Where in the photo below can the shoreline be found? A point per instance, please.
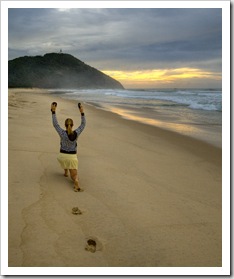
(212, 137)
(188, 142)
(152, 197)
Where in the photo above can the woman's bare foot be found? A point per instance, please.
(76, 187)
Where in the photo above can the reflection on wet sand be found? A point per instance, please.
(204, 133)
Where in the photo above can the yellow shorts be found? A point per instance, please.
(68, 161)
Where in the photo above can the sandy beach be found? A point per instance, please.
(152, 198)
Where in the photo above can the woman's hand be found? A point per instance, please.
(53, 106)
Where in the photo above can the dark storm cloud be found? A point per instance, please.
(121, 38)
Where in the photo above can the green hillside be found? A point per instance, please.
(57, 70)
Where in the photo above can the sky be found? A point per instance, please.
(140, 47)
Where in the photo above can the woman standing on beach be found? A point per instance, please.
(68, 144)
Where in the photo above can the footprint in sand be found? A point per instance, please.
(76, 211)
(91, 245)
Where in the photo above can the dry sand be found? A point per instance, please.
(152, 198)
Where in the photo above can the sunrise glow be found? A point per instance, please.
(161, 77)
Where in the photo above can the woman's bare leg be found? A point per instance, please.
(74, 177)
(66, 172)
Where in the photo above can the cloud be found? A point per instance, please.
(121, 39)
(159, 77)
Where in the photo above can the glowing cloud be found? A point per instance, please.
(159, 77)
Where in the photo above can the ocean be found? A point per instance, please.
(192, 112)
